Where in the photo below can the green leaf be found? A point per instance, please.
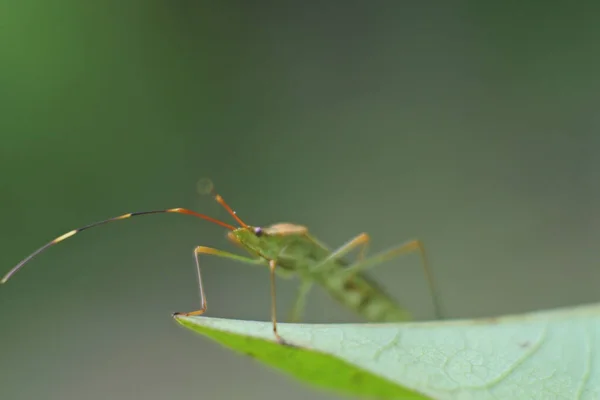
(543, 355)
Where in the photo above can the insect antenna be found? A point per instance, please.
(124, 216)
(208, 187)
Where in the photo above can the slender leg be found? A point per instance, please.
(300, 302)
(272, 266)
(219, 253)
(409, 247)
(361, 240)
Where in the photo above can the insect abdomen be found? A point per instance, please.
(365, 297)
(358, 292)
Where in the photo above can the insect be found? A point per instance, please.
(287, 250)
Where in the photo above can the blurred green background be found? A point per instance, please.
(472, 127)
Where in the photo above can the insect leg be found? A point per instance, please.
(361, 240)
(219, 253)
(272, 266)
(300, 301)
(409, 247)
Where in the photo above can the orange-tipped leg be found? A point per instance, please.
(361, 241)
(272, 266)
(408, 247)
(219, 253)
(256, 261)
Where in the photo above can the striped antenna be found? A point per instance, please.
(124, 216)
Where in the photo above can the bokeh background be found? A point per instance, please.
(471, 126)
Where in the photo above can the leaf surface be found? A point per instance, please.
(543, 355)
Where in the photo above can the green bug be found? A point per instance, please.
(289, 249)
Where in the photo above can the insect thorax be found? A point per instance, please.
(286, 243)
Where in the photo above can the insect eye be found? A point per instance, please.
(258, 231)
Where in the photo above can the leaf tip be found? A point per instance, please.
(180, 317)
